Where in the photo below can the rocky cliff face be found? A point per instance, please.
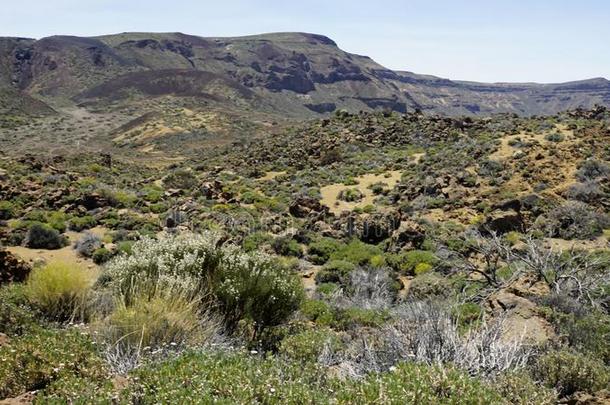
(294, 74)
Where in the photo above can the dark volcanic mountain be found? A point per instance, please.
(292, 74)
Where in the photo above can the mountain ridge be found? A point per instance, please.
(170, 91)
(302, 65)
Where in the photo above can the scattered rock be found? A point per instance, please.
(522, 319)
(27, 398)
(582, 398)
(4, 340)
(307, 207)
(12, 268)
(409, 235)
(502, 222)
(94, 200)
(378, 227)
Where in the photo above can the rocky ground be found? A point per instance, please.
(502, 220)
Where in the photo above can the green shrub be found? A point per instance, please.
(78, 224)
(158, 208)
(152, 194)
(355, 317)
(408, 262)
(34, 361)
(101, 255)
(589, 333)
(125, 247)
(356, 252)
(41, 236)
(321, 249)
(59, 290)
(257, 289)
(571, 372)
(467, 314)
(181, 179)
(35, 216)
(335, 271)
(308, 345)
(429, 286)
(245, 286)
(412, 383)
(378, 188)
(554, 137)
(327, 289)
(377, 261)
(156, 322)
(286, 246)
(7, 210)
(350, 195)
(318, 311)
(254, 241)
(16, 314)
(518, 388)
(228, 378)
(57, 221)
(238, 378)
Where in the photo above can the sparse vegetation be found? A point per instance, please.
(232, 276)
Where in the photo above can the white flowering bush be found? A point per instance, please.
(239, 285)
(255, 287)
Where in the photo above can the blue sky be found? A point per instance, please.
(536, 40)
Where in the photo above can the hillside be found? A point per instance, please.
(153, 84)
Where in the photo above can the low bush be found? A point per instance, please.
(467, 315)
(159, 321)
(321, 249)
(429, 286)
(586, 332)
(519, 388)
(181, 179)
(350, 195)
(318, 311)
(307, 346)
(41, 236)
(356, 252)
(35, 361)
(239, 378)
(254, 241)
(353, 317)
(287, 246)
(419, 384)
(555, 137)
(101, 255)
(335, 271)
(409, 262)
(88, 244)
(16, 314)
(57, 220)
(575, 220)
(59, 290)
(78, 224)
(569, 372)
(592, 169)
(244, 286)
(7, 210)
(378, 188)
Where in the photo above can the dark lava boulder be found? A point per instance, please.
(12, 268)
